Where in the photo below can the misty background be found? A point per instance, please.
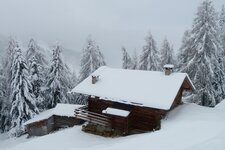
(112, 24)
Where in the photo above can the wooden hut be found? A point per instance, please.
(51, 120)
(130, 101)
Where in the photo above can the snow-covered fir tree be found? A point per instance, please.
(37, 83)
(185, 52)
(101, 58)
(22, 99)
(91, 60)
(134, 61)
(74, 79)
(58, 80)
(149, 59)
(38, 64)
(4, 102)
(127, 63)
(35, 80)
(167, 53)
(7, 62)
(222, 30)
(34, 50)
(222, 19)
(2, 93)
(201, 52)
(73, 97)
(4, 105)
(6, 79)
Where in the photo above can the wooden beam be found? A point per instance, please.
(93, 117)
(104, 123)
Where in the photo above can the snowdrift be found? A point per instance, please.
(188, 127)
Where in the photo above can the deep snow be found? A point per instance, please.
(188, 127)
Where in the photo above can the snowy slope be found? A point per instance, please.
(188, 127)
(221, 105)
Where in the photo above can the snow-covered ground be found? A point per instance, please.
(188, 127)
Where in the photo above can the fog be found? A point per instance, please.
(112, 23)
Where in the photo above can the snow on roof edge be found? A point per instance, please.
(191, 83)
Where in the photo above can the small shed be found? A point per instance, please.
(51, 120)
(131, 100)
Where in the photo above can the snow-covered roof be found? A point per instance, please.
(117, 112)
(147, 88)
(60, 110)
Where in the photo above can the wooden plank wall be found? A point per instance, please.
(146, 119)
(141, 118)
(62, 122)
(51, 124)
(40, 128)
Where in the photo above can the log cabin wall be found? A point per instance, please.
(119, 123)
(141, 118)
(146, 119)
(96, 105)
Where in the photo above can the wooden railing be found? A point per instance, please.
(92, 117)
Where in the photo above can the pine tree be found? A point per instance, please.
(127, 63)
(222, 17)
(58, 80)
(185, 52)
(222, 52)
(23, 101)
(37, 52)
(6, 79)
(3, 100)
(101, 58)
(201, 57)
(72, 97)
(7, 62)
(221, 31)
(38, 64)
(167, 54)
(74, 79)
(134, 61)
(91, 60)
(35, 80)
(149, 59)
(2, 94)
(37, 83)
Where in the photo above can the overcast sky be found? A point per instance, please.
(112, 23)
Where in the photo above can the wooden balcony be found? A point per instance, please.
(92, 117)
